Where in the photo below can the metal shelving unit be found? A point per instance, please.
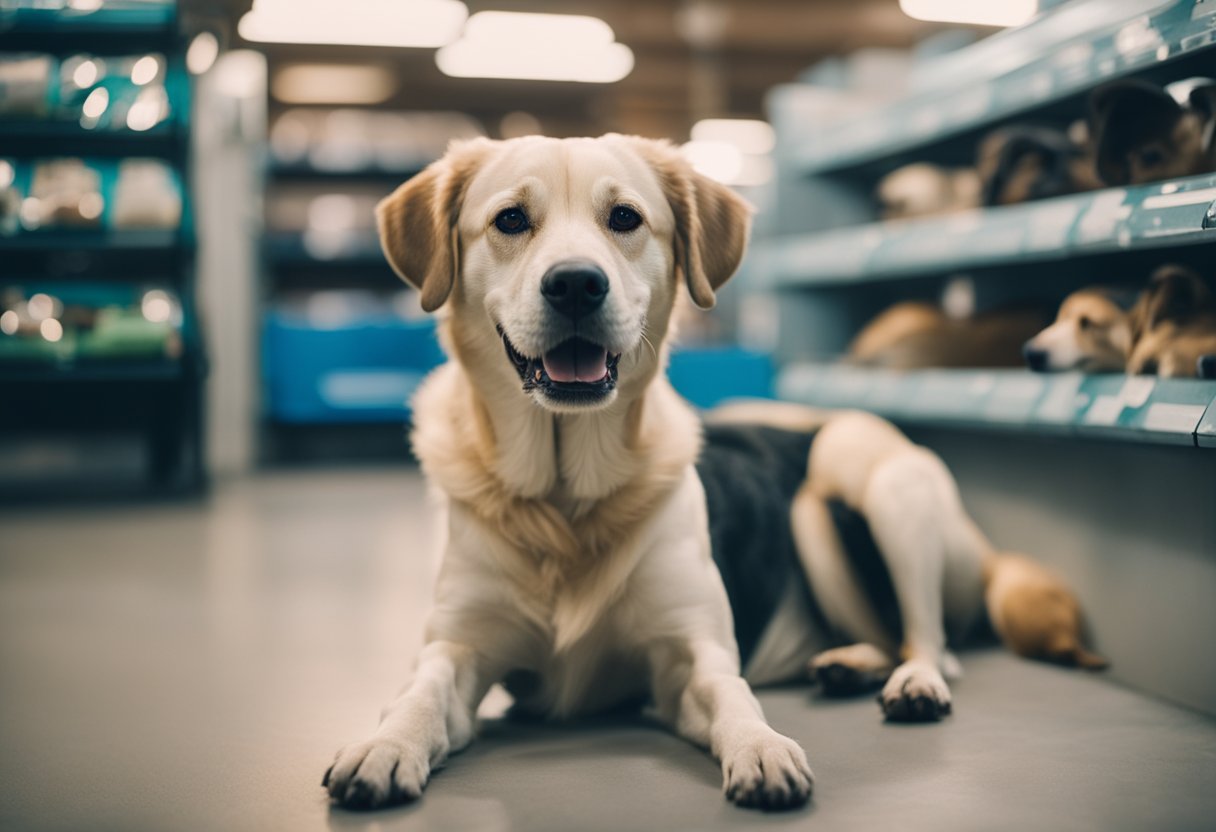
(1125, 408)
(1036, 71)
(1160, 216)
(159, 398)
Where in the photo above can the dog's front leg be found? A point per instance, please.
(699, 692)
(434, 716)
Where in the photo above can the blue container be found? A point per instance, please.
(361, 371)
(707, 376)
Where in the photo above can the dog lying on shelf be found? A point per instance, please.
(915, 334)
(1168, 329)
(1023, 163)
(1143, 134)
(925, 190)
(603, 546)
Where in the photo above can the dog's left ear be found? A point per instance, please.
(417, 223)
(1203, 100)
(712, 221)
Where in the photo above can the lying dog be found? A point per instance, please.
(1142, 134)
(914, 334)
(923, 190)
(588, 530)
(1023, 163)
(1169, 329)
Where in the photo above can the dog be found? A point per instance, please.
(914, 334)
(598, 533)
(1143, 134)
(924, 190)
(1023, 163)
(1168, 329)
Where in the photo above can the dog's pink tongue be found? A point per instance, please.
(576, 360)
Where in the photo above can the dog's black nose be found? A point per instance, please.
(1036, 359)
(575, 287)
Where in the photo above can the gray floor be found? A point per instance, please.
(189, 667)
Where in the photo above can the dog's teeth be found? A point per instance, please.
(538, 375)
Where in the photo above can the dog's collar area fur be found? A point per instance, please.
(534, 377)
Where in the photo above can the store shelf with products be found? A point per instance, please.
(1159, 216)
(1140, 409)
(1040, 71)
(99, 326)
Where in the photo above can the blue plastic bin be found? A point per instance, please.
(363, 371)
(707, 376)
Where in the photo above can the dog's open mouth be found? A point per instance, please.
(575, 371)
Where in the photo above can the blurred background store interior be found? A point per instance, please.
(197, 322)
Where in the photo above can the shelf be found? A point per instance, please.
(1162, 44)
(1140, 409)
(1164, 214)
(95, 240)
(35, 139)
(139, 27)
(368, 175)
(287, 250)
(94, 372)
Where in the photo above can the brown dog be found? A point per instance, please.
(1165, 330)
(1142, 134)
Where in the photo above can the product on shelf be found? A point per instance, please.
(25, 80)
(146, 195)
(10, 198)
(1144, 133)
(63, 192)
(85, 323)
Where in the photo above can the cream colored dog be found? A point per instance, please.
(581, 569)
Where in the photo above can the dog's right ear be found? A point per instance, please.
(1175, 293)
(417, 222)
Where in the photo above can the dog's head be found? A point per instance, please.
(1020, 164)
(1175, 297)
(558, 261)
(1093, 332)
(1142, 134)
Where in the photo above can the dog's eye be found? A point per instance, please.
(512, 221)
(1084, 322)
(624, 218)
(1151, 158)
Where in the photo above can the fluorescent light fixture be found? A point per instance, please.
(974, 12)
(724, 162)
(751, 136)
(416, 23)
(537, 47)
(333, 84)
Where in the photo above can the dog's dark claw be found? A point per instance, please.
(325, 779)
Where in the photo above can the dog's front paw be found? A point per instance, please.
(769, 772)
(376, 773)
(916, 692)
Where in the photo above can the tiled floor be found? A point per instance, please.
(194, 666)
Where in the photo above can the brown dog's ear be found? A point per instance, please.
(1175, 293)
(712, 221)
(417, 223)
